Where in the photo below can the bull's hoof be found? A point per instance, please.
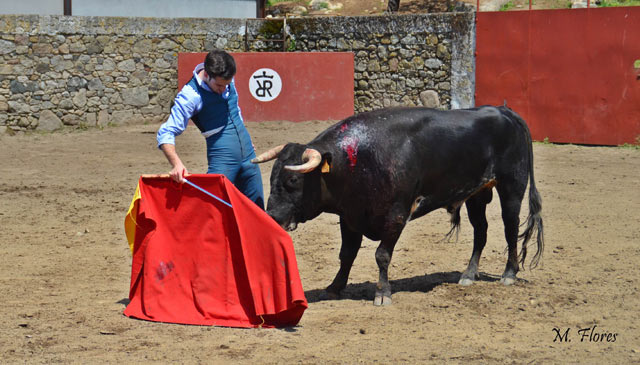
(508, 281)
(381, 300)
(333, 291)
(332, 295)
(465, 282)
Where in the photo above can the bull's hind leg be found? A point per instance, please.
(476, 209)
(351, 242)
(511, 194)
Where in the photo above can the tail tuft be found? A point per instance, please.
(533, 223)
(455, 223)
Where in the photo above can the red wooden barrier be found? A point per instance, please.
(314, 86)
(569, 73)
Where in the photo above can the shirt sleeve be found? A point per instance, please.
(185, 106)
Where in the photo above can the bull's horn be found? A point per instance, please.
(269, 155)
(312, 158)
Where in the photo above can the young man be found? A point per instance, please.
(211, 101)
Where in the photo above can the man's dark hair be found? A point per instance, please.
(219, 63)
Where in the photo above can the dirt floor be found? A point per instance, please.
(66, 267)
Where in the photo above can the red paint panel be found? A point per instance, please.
(569, 73)
(501, 60)
(315, 86)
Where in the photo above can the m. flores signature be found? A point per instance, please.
(589, 334)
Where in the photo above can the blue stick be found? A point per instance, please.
(206, 192)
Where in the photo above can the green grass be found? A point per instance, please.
(603, 3)
(545, 142)
(630, 146)
(508, 6)
(273, 2)
(634, 146)
(612, 3)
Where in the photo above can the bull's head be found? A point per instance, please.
(295, 184)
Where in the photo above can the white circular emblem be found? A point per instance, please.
(265, 84)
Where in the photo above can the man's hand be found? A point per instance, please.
(178, 171)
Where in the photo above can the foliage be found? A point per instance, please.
(635, 146)
(605, 3)
(508, 6)
(631, 146)
(271, 29)
(273, 2)
(545, 141)
(524, 4)
(291, 46)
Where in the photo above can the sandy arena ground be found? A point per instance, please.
(66, 267)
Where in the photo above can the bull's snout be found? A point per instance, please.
(287, 223)
(291, 227)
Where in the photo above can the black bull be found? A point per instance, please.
(378, 170)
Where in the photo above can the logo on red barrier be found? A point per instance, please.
(265, 84)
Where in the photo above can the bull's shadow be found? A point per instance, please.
(423, 283)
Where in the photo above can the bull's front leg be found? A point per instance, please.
(351, 242)
(383, 258)
(384, 252)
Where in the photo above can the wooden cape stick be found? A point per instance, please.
(153, 176)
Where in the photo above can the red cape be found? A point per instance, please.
(199, 261)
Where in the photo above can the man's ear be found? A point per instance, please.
(326, 163)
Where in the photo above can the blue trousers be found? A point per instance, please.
(229, 152)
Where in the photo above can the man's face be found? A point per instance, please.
(217, 85)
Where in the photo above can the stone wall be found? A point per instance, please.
(399, 60)
(81, 72)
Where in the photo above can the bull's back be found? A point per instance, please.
(406, 152)
(456, 144)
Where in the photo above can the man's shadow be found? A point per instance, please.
(423, 283)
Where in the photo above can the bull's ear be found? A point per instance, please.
(326, 163)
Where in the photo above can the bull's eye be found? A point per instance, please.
(291, 183)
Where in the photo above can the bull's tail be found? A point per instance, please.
(455, 222)
(534, 220)
(533, 223)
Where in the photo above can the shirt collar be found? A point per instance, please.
(202, 84)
